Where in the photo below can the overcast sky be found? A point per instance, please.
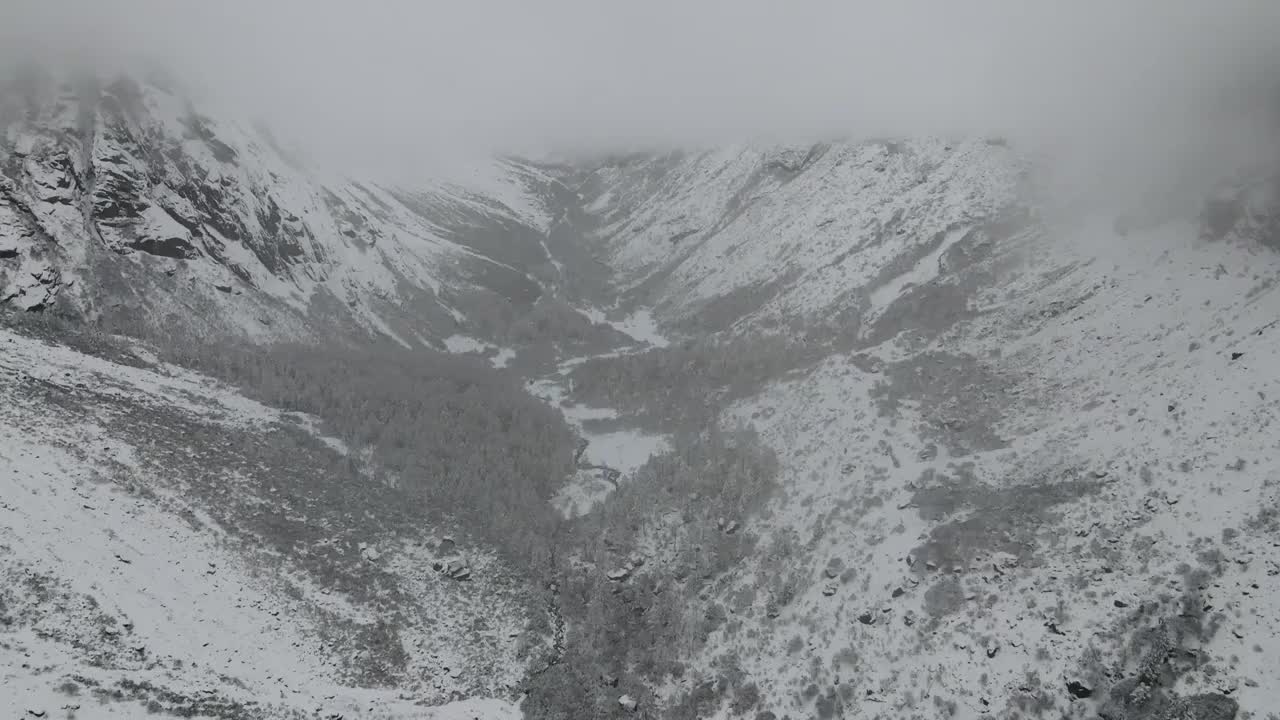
(392, 83)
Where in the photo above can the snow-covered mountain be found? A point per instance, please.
(793, 235)
(1025, 462)
(120, 199)
(1027, 466)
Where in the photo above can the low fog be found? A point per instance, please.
(1132, 92)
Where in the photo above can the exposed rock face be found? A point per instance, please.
(458, 570)
(127, 184)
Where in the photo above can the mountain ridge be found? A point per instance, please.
(131, 170)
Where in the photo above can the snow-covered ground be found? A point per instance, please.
(1037, 487)
(732, 220)
(624, 450)
(499, 357)
(639, 325)
(621, 450)
(922, 272)
(464, 344)
(125, 589)
(1049, 450)
(1032, 457)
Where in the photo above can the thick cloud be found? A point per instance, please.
(1155, 85)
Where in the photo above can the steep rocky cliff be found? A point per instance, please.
(119, 199)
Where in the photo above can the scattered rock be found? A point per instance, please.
(1237, 355)
(1079, 689)
(830, 589)
(628, 703)
(731, 528)
(867, 618)
(619, 574)
(222, 288)
(370, 553)
(897, 593)
(458, 571)
(1211, 706)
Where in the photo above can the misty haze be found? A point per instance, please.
(566, 360)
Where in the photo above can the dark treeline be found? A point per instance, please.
(681, 386)
(466, 442)
(684, 516)
(472, 449)
(547, 320)
(466, 439)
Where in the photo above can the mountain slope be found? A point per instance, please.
(1027, 467)
(787, 235)
(168, 543)
(121, 199)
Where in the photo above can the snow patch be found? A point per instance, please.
(462, 344)
(921, 273)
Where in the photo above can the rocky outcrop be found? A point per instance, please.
(123, 183)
